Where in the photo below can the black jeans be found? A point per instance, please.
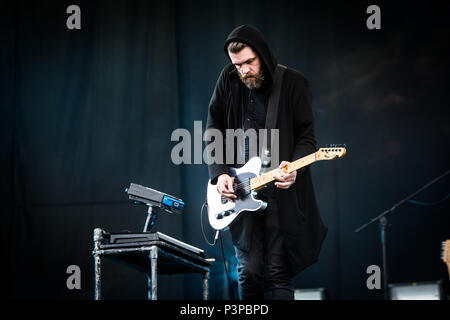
(266, 264)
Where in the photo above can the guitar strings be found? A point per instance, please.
(242, 185)
(246, 183)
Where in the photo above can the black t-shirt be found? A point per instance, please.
(255, 118)
(255, 109)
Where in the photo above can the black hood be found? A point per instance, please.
(251, 36)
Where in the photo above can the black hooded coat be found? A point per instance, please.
(300, 222)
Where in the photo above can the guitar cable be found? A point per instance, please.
(203, 229)
(217, 236)
(225, 266)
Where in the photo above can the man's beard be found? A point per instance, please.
(253, 81)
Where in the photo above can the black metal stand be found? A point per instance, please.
(152, 258)
(384, 223)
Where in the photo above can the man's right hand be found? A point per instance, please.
(225, 187)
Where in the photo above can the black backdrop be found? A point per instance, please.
(86, 112)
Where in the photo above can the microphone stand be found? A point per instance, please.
(383, 222)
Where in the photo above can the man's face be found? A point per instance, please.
(248, 66)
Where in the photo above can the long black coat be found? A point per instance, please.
(302, 227)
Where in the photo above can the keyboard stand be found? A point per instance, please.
(151, 257)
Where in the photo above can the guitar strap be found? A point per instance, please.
(272, 113)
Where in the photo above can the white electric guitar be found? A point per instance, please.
(247, 180)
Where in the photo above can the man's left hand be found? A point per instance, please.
(285, 179)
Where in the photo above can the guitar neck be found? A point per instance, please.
(266, 178)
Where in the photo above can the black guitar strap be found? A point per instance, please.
(272, 110)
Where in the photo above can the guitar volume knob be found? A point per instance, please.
(228, 212)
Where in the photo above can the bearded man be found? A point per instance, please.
(276, 244)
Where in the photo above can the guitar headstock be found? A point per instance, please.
(330, 152)
(445, 256)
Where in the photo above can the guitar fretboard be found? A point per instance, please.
(263, 179)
